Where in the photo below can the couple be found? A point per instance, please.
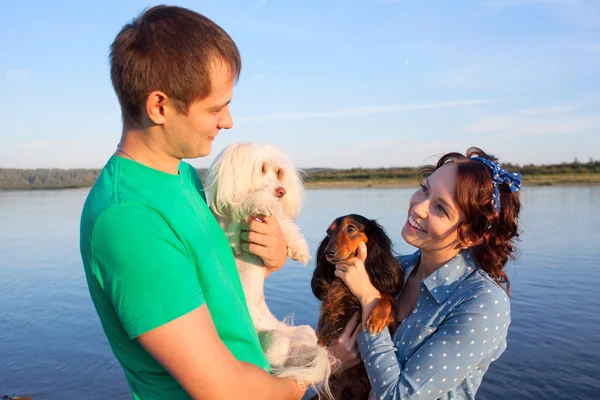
(163, 279)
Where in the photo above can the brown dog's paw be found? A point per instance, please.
(382, 315)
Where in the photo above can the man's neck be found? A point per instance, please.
(137, 144)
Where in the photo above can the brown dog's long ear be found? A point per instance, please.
(324, 271)
(383, 267)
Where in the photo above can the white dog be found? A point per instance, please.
(244, 181)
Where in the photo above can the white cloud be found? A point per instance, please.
(17, 74)
(541, 121)
(367, 110)
(259, 4)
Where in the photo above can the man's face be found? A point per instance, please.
(192, 135)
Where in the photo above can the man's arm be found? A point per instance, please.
(145, 272)
(192, 352)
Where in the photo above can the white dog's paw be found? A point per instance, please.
(300, 253)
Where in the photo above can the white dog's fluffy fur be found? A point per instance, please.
(241, 183)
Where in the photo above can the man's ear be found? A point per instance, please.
(157, 104)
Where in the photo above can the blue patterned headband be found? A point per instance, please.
(500, 176)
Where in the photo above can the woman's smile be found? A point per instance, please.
(414, 224)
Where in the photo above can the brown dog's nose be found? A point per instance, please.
(280, 192)
(331, 252)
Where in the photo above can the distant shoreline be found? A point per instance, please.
(574, 173)
(550, 180)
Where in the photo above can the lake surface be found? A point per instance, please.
(52, 346)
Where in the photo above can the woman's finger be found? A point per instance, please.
(340, 274)
(341, 267)
(362, 252)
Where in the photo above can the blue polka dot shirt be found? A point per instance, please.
(443, 349)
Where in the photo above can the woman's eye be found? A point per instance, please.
(424, 188)
(442, 210)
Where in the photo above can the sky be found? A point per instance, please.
(333, 83)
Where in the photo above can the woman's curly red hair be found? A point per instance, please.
(489, 235)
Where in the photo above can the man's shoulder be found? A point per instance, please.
(193, 177)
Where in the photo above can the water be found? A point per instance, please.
(52, 346)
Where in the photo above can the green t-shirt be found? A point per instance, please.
(152, 252)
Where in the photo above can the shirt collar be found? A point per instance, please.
(442, 282)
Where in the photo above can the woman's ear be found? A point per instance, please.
(469, 239)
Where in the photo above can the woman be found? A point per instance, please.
(454, 311)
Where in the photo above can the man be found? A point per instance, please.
(159, 268)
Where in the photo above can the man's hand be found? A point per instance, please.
(346, 349)
(262, 236)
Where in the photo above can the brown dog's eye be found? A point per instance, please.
(350, 228)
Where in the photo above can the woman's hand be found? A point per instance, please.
(263, 237)
(355, 276)
(346, 349)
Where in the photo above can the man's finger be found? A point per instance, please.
(351, 325)
(254, 237)
(255, 249)
(357, 329)
(260, 227)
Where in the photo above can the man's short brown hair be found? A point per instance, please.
(170, 49)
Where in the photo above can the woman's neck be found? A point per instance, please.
(433, 260)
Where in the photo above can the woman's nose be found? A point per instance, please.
(420, 209)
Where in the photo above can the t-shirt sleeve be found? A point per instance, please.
(143, 268)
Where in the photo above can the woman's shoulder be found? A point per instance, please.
(481, 290)
(409, 261)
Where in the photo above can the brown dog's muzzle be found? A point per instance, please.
(345, 235)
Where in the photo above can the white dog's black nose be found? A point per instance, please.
(280, 192)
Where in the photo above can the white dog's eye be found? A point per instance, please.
(264, 169)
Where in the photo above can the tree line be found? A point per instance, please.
(53, 178)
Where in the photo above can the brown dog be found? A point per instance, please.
(337, 302)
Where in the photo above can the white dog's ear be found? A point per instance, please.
(231, 176)
(292, 201)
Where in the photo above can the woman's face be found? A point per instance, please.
(433, 215)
